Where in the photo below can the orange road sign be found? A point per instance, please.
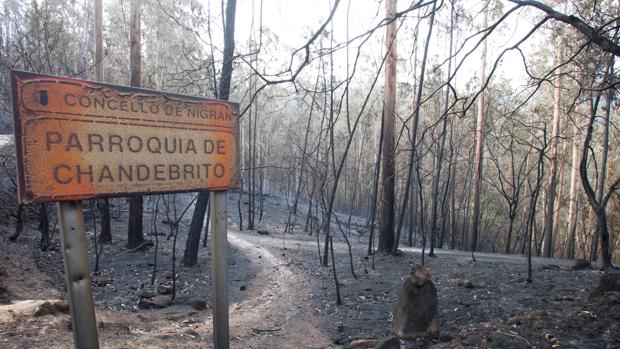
(80, 139)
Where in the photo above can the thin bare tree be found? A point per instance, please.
(135, 235)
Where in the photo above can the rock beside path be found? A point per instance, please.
(362, 344)
(35, 308)
(466, 283)
(415, 315)
(579, 264)
(154, 303)
(389, 343)
(164, 289)
(609, 282)
(52, 307)
(196, 303)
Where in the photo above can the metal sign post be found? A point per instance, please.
(77, 275)
(219, 264)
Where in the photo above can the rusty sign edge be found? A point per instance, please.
(26, 197)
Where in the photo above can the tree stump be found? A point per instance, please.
(416, 312)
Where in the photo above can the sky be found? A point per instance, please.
(293, 22)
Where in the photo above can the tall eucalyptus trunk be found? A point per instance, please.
(223, 94)
(135, 235)
(388, 197)
(479, 148)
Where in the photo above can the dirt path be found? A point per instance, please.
(269, 294)
(464, 256)
(273, 315)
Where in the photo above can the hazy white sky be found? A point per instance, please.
(293, 21)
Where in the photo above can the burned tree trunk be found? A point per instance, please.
(569, 251)
(19, 223)
(388, 197)
(44, 227)
(135, 235)
(375, 187)
(414, 134)
(190, 256)
(479, 148)
(223, 93)
(552, 190)
(104, 204)
(440, 152)
(598, 206)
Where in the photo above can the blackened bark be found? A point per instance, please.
(19, 223)
(375, 187)
(597, 206)
(44, 227)
(190, 256)
(223, 94)
(388, 197)
(206, 237)
(438, 167)
(414, 135)
(104, 204)
(135, 235)
(479, 148)
(106, 231)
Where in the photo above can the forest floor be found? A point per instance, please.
(281, 298)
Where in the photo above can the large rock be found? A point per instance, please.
(609, 282)
(579, 264)
(389, 343)
(154, 303)
(24, 308)
(362, 343)
(146, 294)
(52, 307)
(196, 303)
(116, 327)
(178, 312)
(164, 289)
(415, 315)
(466, 283)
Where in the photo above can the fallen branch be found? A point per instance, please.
(260, 330)
(451, 322)
(144, 244)
(290, 260)
(514, 335)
